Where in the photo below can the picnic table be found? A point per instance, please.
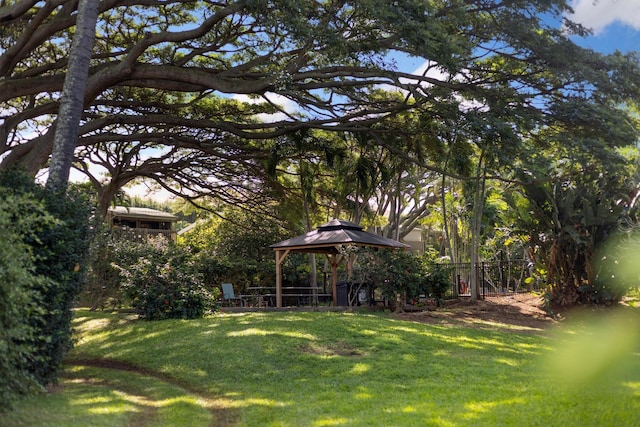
(265, 296)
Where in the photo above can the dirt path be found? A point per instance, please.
(518, 313)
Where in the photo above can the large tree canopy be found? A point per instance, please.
(164, 74)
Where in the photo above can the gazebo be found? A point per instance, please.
(327, 240)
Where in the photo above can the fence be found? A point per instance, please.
(494, 278)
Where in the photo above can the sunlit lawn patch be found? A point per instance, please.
(323, 369)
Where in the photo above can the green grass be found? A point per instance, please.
(331, 369)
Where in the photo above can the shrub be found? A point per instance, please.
(395, 273)
(438, 281)
(111, 254)
(61, 253)
(58, 239)
(20, 299)
(163, 282)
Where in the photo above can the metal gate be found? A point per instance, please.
(494, 278)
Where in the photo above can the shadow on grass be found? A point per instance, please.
(177, 397)
(101, 393)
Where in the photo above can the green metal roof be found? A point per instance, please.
(141, 213)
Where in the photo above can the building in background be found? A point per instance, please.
(142, 221)
(414, 240)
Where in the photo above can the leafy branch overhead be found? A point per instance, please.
(170, 73)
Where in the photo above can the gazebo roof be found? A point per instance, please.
(335, 233)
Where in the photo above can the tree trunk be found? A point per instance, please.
(476, 222)
(398, 207)
(445, 222)
(72, 101)
(306, 186)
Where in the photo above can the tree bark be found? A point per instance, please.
(476, 223)
(72, 101)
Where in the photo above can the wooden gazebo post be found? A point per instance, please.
(280, 256)
(334, 261)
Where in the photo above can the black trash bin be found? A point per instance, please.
(342, 294)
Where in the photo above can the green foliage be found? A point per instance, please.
(236, 249)
(61, 253)
(438, 281)
(202, 236)
(395, 273)
(213, 269)
(103, 284)
(575, 218)
(112, 254)
(143, 274)
(46, 238)
(20, 300)
(403, 273)
(162, 281)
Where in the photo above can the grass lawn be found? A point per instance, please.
(336, 369)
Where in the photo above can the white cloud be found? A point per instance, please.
(145, 190)
(284, 103)
(598, 14)
(428, 69)
(425, 69)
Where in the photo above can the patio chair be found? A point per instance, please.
(228, 296)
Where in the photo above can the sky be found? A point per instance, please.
(615, 25)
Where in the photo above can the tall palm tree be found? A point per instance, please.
(73, 91)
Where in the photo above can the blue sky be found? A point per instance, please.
(615, 24)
